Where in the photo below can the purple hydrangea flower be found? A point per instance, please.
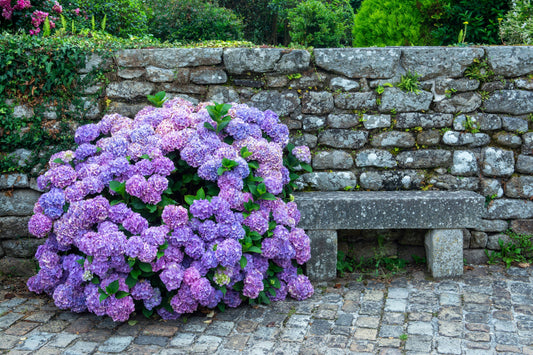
(201, 209)
(175, 216)
(172, 276)
(253, 284)
(154, 300)
(119, 309)
(302, 153)
(135, 223)
(52, 203)
(39, 225)
(300, 288)
(228, 252)
(86, 134)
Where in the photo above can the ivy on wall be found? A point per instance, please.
(40, 76)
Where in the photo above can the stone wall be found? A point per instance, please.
(456, 133)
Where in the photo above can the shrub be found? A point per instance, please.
(28, 16)
(517, 24)
(482, 17)
(321, 24)
(123, 17)
(193, 20)
(173, 210)
(388, 23)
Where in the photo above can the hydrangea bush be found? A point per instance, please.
(181, 207)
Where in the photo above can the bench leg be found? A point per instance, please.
(323, 263)
(444, 252)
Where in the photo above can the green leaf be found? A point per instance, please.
(147, 313)
(58, 161)
(254, 249)
(221, 171)
(224, 290)
(95, 280)
(81, 261)
(135, 273)
(222, 125)
(131, 281)
(255, 236)
(306, 167)
(189, 199)
(151, 208)
(121, 294)
(251, 206)
(132, 322)
(200, 195)
(268, 196)
(253, 164)
(112, 288)
(103, 297)
(261, 188)
(290, 147)
(272, 292)
(145, 267)
(243, 262)
(245, 153)
(209, 126)
(118, 187)
(160, 254)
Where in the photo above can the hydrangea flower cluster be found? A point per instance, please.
(23, 11)
(176, 209)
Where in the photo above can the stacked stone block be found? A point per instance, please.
(456, 133)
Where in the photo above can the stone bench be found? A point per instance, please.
(444, 213)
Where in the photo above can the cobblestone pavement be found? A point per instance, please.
(488, 310)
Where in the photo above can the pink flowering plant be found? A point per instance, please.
(180, 208)
(29, 15)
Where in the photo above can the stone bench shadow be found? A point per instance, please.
(444, 213)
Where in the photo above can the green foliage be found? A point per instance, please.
(448, 18)
(517, 25)
(518, 250)
(41, 73)
(389, 23)
(123, 18)
(409, 82)
(321, 24)
(380, 265)
(479, 70)
(158, 99)
(193, 20)
(260, 18)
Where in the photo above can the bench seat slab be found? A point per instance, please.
(358, 210)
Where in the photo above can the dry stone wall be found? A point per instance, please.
(470, 126)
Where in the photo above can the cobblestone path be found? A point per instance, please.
(489, 310)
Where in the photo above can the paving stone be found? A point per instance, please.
(115, 344)
(367, 322)
(81, 347)
(206, 344)
(395, 305)
(420, 328)
(449, 345)
(421, 343)
(365, 334)
(393, 331)
(151, 340)
(8, 319)
(362, 347)
(344, 320)
(21, 328)
(34, 341)
(236, 342)
(63, 340)
(478, 336)
(8, 341)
